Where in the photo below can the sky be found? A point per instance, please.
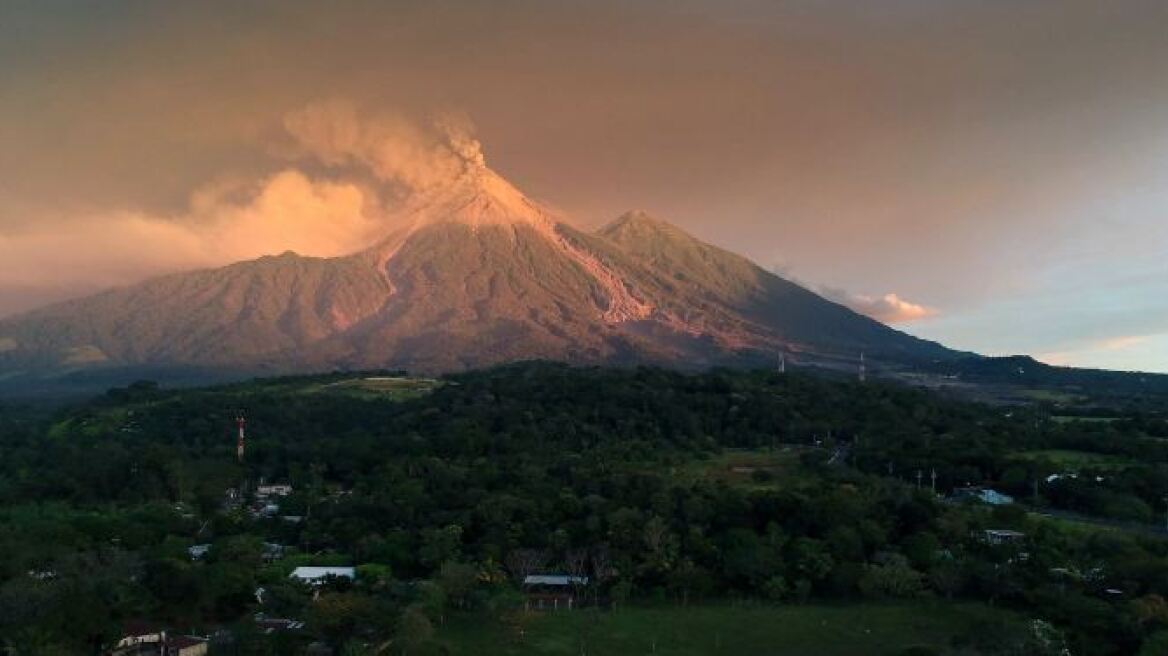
(991, 175)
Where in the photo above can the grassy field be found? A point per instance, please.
(741, 466)
(392, 387)
(1069, 419)
(1075, 459)
(874, 629)
(1051, 396)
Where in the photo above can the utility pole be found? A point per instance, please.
(919, 474)
(933, 480)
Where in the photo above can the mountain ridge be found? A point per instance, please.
(475, 274)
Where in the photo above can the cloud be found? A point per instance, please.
(340, 211)
(889, 308)
(1127, 352)
(223, 223)
(1122, 342)
(396, 150)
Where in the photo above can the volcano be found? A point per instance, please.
(476, 274)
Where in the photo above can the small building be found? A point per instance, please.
(982, 495)
(552, 591)
(318, 575)
(42, 574)
(198, 551)
(267, 491)
(139, 637)
(185, 646)
(143, 639)
(266, 510)
(269, 625)
(273, 552)
(1000, 536)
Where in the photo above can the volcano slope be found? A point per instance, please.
(475, 274)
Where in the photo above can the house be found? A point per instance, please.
(318, 575)
(266, 491)
(139, 638)
(266, 510)
(982, 495)
(184, 646)
(143, 639)
(42, 574)
(273, 552)
(552, 591)
(1000, 536)
(198, 551)
(268, 625)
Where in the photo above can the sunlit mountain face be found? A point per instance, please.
(474, 273)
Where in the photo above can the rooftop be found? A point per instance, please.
(315, 573)
(555, 579)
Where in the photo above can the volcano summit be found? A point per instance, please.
(476, 274)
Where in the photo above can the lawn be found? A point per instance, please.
(873, 629)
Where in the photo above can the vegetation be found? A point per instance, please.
(788, 629)
(690, 501)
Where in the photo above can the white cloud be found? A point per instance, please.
(889, 308)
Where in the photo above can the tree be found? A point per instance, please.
(458, 581)
(440, 545)
(891, 579)
(524, 562)
(414, 629)
(947, 578)
(336, 615)
(1155, 645)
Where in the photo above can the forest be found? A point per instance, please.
(660, 489)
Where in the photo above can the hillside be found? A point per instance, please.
(474, 274)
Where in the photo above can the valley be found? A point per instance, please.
(704, 512)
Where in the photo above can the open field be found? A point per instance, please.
(1048, 395)
(749, 466)
(397, 388)
(1068, 419)
(1075, 459)
(873, 629)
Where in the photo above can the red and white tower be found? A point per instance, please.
(240, 422)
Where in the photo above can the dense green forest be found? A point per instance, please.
(664, 489)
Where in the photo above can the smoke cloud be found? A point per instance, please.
(394, 149)
(224, 222)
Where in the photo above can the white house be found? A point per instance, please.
(318, 575)
(264, 491)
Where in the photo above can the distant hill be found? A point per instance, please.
(478, 275)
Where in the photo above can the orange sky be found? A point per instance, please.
(993, 171)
